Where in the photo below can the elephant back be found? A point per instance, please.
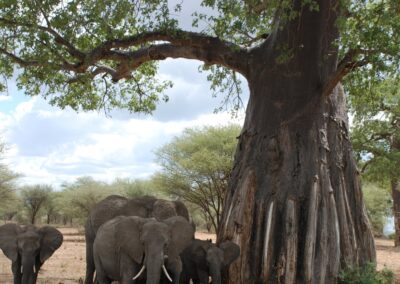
(139, 206)
(163, 209)
(105, 210)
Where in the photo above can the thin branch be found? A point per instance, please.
(57, 37)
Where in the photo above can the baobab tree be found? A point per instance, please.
(294, 204)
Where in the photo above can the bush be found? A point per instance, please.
(366, 275)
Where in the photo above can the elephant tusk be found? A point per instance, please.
(34, 269)
(166, 273)
(139, 273)
(22, 269)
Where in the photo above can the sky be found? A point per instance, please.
(51, 146)
(48, 145)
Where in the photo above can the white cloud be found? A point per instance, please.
(4, 98)
(52, 146)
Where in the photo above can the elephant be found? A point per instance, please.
(28, 247)
(127, 245)
(202, 259)
(115, 205)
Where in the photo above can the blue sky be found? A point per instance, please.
(49, 145)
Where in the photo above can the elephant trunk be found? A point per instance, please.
(28, 270)
(215, 273)
(153, 263)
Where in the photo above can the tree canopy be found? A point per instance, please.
(376, 131)
(66, 49)
(196, 167)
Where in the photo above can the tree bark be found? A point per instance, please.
(295, 193)
(396, 211)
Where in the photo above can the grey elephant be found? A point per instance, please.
(28, 247)
(126, 246)
(202, 259)
(114, 205)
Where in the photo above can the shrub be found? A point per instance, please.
(366, 275)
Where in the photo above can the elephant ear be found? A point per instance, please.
(51, 240)
(127, 233)
(163, 209)
(8, 240)
(231, 252)
(182, 234)
(181, 210)
(199, 251)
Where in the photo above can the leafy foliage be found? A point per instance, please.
(135, 188)
(76, 199)
(55, 43)
(33, 198)
(366, 275)
(376, 131)
(80, 196)
(196, 167)
(379, 204)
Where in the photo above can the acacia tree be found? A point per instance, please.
(196, 166)
(81, 195)
(34, 198)
(376, 138)
(294, 193)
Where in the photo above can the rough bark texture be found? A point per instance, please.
(295, 193)
(396, 211)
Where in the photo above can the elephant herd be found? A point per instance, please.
(139, 240)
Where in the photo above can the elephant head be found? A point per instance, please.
(207, 259)
(151, 243)
(28, 248)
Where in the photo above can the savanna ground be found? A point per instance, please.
(67, 265)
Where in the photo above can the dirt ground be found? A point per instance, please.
(67, 265)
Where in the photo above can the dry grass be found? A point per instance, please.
(67, 265)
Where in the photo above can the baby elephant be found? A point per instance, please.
(28, 247)
(127, 245)
(202, 259)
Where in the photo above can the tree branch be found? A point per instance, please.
(345, 66)
(57, 37)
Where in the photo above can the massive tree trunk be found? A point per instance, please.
(396, 210)
(295, 193)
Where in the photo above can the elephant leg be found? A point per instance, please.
(16, 269)
(101, 278)
(175, 267)
(90, 268)
(128, 270)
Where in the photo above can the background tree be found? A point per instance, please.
(50, 207)
(133, 188)
(294, 174)
(81, 195)
(33, 198)
(376, 138)
(7, 182)
(196, 167)
(379, 203)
